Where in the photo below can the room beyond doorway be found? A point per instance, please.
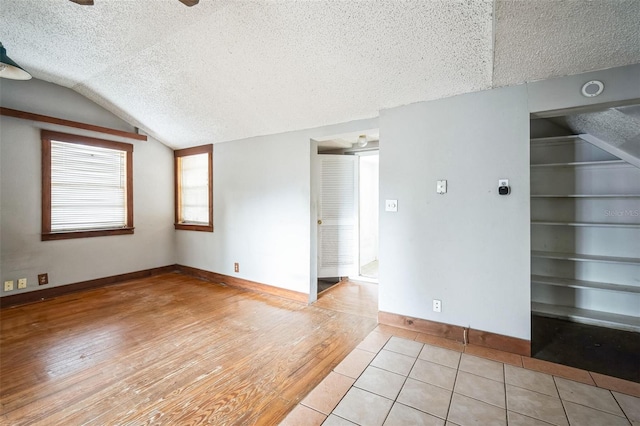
(368, 212)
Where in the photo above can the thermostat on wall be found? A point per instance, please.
(503, 187)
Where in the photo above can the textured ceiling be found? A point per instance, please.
(224, 69)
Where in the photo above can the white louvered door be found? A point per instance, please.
(338, 216)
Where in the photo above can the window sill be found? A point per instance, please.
(85, 234)
(187, 227)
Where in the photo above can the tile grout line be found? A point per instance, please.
(504, 377)
(454, 388)
(564, 408)
(621, 409)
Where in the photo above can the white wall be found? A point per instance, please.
(469, 247)
(23, 254)
(264, 210)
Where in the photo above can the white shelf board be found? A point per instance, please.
(615, 163)
(586, 316)
(556, 139)
(573, 283)
(587, 224)
(578, 257)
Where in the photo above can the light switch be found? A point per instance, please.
(441, 187)
(391, 205)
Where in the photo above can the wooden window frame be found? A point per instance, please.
(177, 154)
(47, 235)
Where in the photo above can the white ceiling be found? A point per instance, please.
(224, 69)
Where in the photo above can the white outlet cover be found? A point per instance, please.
(503, 182)
(391, 205)
(441, 187)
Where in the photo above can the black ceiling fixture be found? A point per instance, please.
(90, 2)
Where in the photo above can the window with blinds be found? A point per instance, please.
(87, 187)
(193, 188)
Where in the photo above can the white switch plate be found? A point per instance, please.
(441, 187)
(391, 205)
(503, 182)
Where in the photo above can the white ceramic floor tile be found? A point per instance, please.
(482, 367)
(440, 356)
(394, 362)
(402, 415)
(536, 405)
(380, 382)
(363, 408)
(630, 405)
(425, 397)
(404, 346)
(480, 388)
(531, 380)
(586, 416)
(589, 396)
(466, 411)
(434, 374)
(516, 419)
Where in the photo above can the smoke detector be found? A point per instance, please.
(592, 88)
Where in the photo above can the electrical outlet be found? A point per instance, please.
(437, 305)
(236, 267)
(22, 283)
(8, 285)
(43, 279)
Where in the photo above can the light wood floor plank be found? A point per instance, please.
(172, 349)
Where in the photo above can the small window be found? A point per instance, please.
(87, 187)
(193, 188)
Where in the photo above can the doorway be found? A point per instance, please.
(345, 185)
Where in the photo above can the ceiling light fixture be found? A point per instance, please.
(362, 141)
(9, 69)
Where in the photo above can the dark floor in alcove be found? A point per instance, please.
(326, 283)
(602, 350)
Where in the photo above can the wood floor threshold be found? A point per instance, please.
(457, 333)
(51, 292)
(244, 284)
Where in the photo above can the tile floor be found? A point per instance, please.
(399, 377)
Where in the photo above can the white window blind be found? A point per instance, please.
(194, 187)
(88, 187)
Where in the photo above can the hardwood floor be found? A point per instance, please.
(353, 297)
(169, 349)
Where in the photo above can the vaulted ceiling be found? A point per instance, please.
(225, 69)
